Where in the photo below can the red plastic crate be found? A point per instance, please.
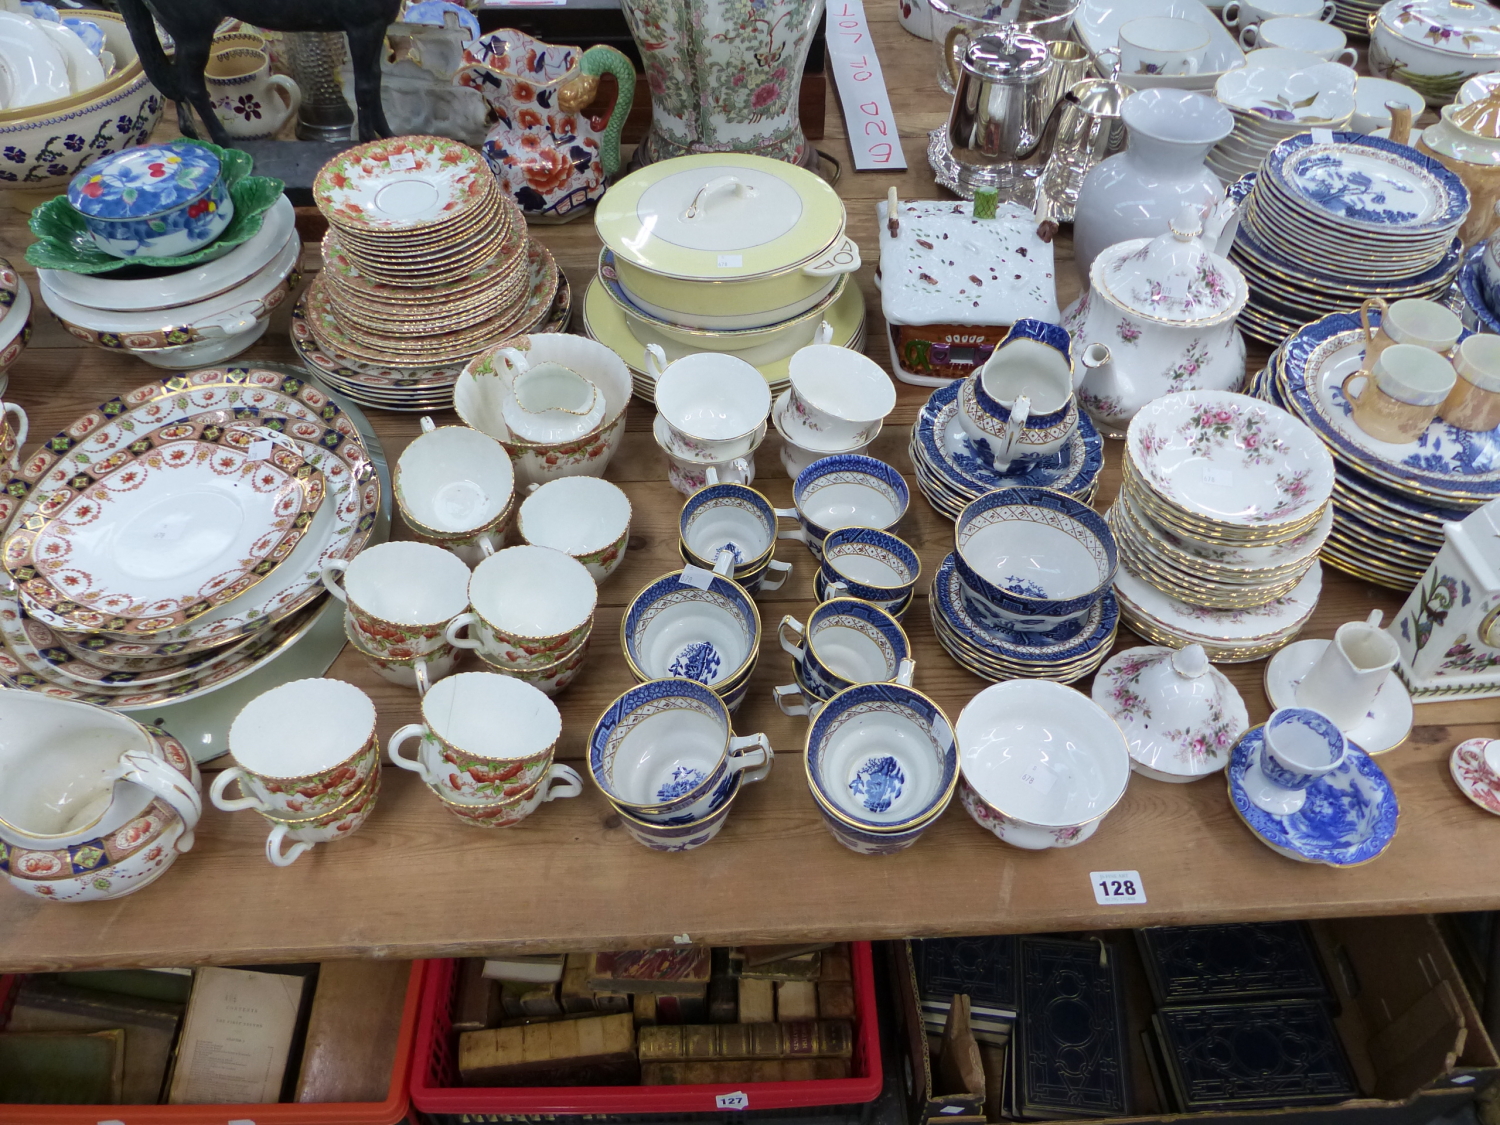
(435, 1088)
(393, 1109)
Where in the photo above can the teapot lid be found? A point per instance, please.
(1173, 277)
(1007, 56)
(1180, 715)
(1455, 27)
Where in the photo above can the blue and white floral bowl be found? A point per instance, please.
(882, 764)
(154, 201)
(712, 635)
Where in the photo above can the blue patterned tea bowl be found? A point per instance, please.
(872, 565)
(882, 764)
(684, 834)
(844, 490)
(711, 636)
(153, 201)
(845, 642)
(665, 753)
(1036, 557)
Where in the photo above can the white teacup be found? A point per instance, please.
(561, 781)
(401, 596)
(1344, 681)
(12, 436)
(248, 99)
(1243, 13)
(585, 517)
(325, 828)
(455, 485)
(840, 395)
(687, 475)
(1294, 34)
(419, 672)
(713, 404)
(1161, 45)
(530, 605)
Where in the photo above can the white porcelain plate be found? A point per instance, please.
(35, 69)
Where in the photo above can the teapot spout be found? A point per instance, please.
(1099, 377)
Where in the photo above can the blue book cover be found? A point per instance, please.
(1069, 1040)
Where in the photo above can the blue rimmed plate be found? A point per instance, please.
(1349, 818)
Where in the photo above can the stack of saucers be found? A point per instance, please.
(427, 263)
(1390, 501)
(1224, 504)
(1026, 591)
(94, 618)
(1270, 104)
(952, 474)
(1352, 17)
(1325, 225)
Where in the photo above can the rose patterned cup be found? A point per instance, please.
(560, 781)
(335, 824)
(401, 596)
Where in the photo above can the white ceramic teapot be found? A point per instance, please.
(1158, 318)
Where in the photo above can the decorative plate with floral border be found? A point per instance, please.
(402, 184)
(1350, 816)
(326, 436)
(1474, 775)
(183, 519)
(1240, 627)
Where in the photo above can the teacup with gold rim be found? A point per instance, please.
(530, 606)
(401, 596)
(335, 824)
(560, 781)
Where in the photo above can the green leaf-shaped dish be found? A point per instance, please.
(64, 243)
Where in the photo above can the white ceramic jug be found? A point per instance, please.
(1344, 681)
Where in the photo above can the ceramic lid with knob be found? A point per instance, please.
(1459, 27)
(1007, 56)
(1172, 278)
(1180, 715)
(719, 217)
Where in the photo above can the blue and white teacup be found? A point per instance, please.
(845, 642)
(797, 700)
(873, 566)
(736, 519)
(712, 635)
(685, 835)
(1036, 557)
(1300, 746)
(665, 752)
(1019, 406)
(882, 764)
(844, 490)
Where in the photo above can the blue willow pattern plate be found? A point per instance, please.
(144, 181)
(1349, 818)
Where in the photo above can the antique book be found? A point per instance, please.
(988, 1026)
(352, 1029)
(1068, 1049)
(819, 1038)
(609, 1003)
(835, 964)
(543, 969)
(982, 968)
(652, 970)
(806, 967)
(723, 990)
(476, 998)
(1232, 963)
(43, 1003)
(643, 1004)
(62, 1067)
(796, 1000)
(590, 1051)
(673, 1007)
(171, 985)
(573, 992)
(757, 1001)
(743, 1070)
(236, 1037)
(1237, 1057)
(835, 1000)
(757, 955)
(520, 999)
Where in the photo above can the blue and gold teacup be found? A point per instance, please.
(845, 642)
(712, 635)
(871, 565)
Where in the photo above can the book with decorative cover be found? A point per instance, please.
(1068, 1048)
(812, 1039)
(681, 971)
(1236, 962)
(1235, 1057)
(981, 968)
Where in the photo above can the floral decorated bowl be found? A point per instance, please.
(1434, 46)
(154, 201)
(711, 635)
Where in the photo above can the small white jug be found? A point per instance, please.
(1344, 681)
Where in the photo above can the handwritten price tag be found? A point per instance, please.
(696, 577)
(1117, 888)
(737, 1100)
(862, 93)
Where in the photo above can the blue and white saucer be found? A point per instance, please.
(1349, 817)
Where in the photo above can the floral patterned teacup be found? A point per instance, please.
(335, 824)
(585, 517)
(420, 672)
(248, 99)
(401, 596)
(531, 605)
(560, 781)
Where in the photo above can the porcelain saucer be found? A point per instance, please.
(1384, 727)
(1475, 774)
(1349, 818)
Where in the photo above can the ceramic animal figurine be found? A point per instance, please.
(191, 24)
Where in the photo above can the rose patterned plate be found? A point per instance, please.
(183, 519)
(326, 437)
(1475, 765)
(402, 184)
(1238, 627)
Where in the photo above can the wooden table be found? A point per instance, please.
(416, 883)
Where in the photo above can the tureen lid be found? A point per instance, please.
(1173, 277)
(140, 182)
(1180, 715)
(1460, 27)
(719, 217)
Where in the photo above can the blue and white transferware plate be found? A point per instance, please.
(1349, 817)
(1476, 314)
(1369, 182)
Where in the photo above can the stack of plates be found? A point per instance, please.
(427, 263)
(1390, 501)
(952, 475)
(1469, 300)
(1229, 636)
(1270, 104)
(94, 615)
(1352, 17)
(1223, 505)
(1325, 225)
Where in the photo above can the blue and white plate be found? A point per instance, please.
(1349, 818)
(1476, 314)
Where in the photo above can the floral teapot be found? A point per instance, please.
(1158, 317)
(555, 144)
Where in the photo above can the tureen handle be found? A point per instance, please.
(842, 258)
(719, 185)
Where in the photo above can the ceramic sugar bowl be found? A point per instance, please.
(1158, 317)
(1180, 715)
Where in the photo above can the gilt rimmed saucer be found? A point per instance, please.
(1476, 771)
(1385, 725)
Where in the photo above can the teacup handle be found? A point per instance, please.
(450, 634)
(286, 858)
(798, 533)
(656, 361)
(824, 334)
(724, 564)
(427, 424)
(232, 804)
(743, 757)
(1249, 36)
(1112, 53)
(793, 650)
(22, 425)
(906, 671)
(1192, 66)
(1330, 9)
(331, 568)
(792, 700)
(416, 765)
(515, 361)
(838, 588)
(568, 783)
(1015, 426)
(1353, 375)
(783, 570)
(1348, 56)
(1231, 14)
(150, 772)
(424, 678)
(1364, 316)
